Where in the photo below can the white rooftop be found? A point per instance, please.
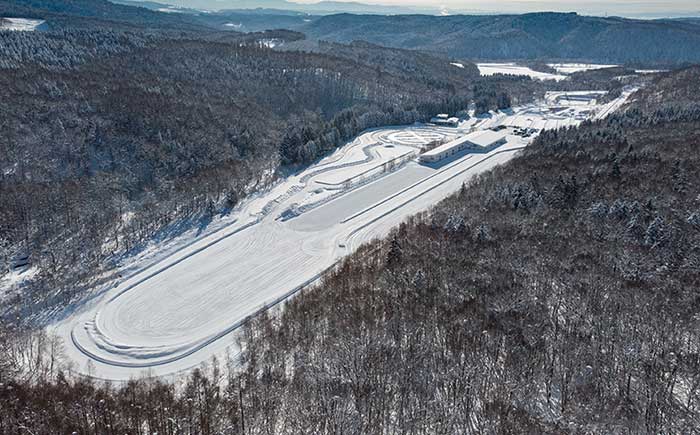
(482, 138)
(454, 119)
(485, 138)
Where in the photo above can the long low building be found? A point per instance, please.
(479, 140)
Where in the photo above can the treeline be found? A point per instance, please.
(556, 294)
(113, 138)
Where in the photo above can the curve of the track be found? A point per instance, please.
(108, 351)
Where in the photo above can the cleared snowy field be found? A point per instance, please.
(20, 24)
(489, 69)
(650, 71)
(570, 68)
(563, 69)
(187, 307)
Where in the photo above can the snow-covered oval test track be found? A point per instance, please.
(182, 310)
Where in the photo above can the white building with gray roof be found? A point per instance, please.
(483, 140)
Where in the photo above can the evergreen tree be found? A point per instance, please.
(394, 255)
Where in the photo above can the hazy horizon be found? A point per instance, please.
(633, 8)
(600, 6)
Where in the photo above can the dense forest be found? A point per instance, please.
(555, 294)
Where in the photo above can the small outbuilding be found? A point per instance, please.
(444, 120)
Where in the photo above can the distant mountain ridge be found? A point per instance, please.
(528, 36)
(323, 7)
(537, 36)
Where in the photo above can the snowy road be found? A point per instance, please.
(180, 312)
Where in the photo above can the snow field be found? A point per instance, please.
(20, 24)
(570, 68)
(489, 69)
(563, 69)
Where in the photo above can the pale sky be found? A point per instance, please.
(594, 7)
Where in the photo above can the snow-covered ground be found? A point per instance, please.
(488, 69)
(16, 279)
(563, 69)
(20, 24)
(171, 10)
(271, 43)
(570, 68)
(650, 71)
(187, 307)
(573, 98)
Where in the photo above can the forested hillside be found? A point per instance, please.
(101, 14)
(528, 36)
(408, 64)
(98, 13)
(556, 294)
(111, 138)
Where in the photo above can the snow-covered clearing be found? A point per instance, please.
(570, 68)
(489, 69)
(186, 307)
(171, 10)
(271, 43)
(457, 64)
(573, 98)
(563, 69)
(650, 71)
(16, 279)
(20, 24)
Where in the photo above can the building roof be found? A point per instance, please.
(483, 138)
(453, 120)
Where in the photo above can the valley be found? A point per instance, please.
(188, 306)
(245, 217)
